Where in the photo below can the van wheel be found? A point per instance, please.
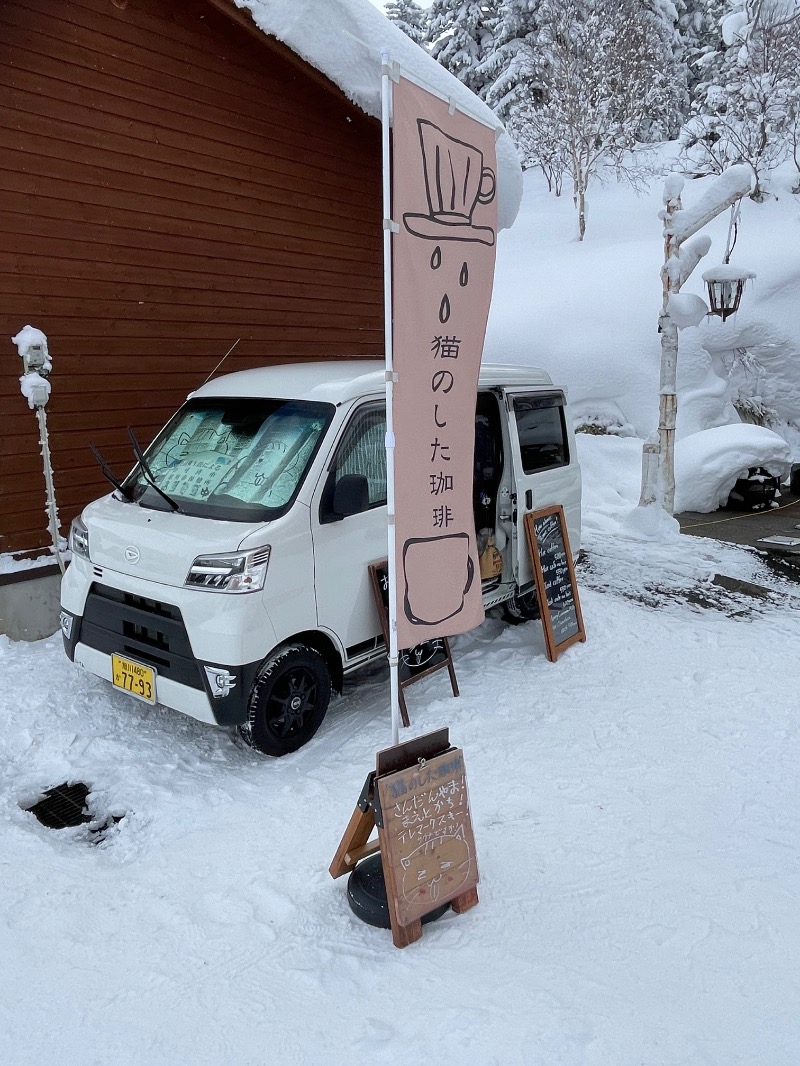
(519, 609)
(288, 702)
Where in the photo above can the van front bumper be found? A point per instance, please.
(211, 692)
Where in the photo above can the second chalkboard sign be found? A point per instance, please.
(554, 574)
(417, 662)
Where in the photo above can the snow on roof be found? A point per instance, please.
(343, 40)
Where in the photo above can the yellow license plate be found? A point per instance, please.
(135, 678)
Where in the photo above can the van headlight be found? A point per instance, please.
(240, 572)
(79, 538)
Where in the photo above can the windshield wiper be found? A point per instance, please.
(147, 473)
(106, 471)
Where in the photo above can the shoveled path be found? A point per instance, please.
(749, 527)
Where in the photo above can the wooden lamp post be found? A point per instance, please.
(681, 256)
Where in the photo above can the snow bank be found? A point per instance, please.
(343, 39)
(651, 523)
(10, 564)
(708, 464)
(611, 470)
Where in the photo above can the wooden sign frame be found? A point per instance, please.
(377, 571)
(553, 647)
(416, 786)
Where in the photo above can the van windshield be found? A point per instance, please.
(241, 459)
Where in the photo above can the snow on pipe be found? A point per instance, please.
(36, 362)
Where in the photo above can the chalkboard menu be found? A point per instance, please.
(554, 574)
(417, 798)
(417, 662)
(427, 844)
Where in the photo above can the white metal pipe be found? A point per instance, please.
(386, 99)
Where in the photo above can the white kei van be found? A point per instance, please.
(227, 576)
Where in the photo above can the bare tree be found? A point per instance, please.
(608, 85)
(794, 133)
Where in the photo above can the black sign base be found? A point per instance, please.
(366, 894)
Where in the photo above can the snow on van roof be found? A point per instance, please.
(343, 40)
(339, 380)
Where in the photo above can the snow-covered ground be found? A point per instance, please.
(635, 805)
(636, 817)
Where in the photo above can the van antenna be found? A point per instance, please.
(222, 360)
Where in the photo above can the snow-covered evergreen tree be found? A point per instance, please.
(410, 18)
(460, 35)
(700, 38)
(514, 64)
(748, 112)
(660, 66)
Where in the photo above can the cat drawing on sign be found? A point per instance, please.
(436, 869)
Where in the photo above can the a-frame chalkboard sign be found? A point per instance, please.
(417, 797)
(554, 574)
(415, 663)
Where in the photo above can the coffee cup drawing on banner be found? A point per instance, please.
(456, 181)
(438, 573)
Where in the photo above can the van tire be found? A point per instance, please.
(288, 701)
(521, 608)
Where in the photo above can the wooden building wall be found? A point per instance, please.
(169, 182)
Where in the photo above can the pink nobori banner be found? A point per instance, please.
(444, 202)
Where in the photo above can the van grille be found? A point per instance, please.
(148, 630)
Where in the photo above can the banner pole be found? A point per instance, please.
(386, 96)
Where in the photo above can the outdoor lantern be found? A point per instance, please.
(725, 284)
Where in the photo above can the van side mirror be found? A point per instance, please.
(351, 495)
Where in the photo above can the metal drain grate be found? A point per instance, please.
(63, 806)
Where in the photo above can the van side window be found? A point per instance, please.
(541, 430)
(362, 451)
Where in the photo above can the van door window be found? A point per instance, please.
(542, 431)
(362, 451)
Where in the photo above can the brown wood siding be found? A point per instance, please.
(169, 183)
